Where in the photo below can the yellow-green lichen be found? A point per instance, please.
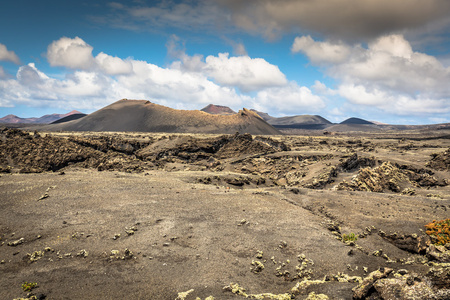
(303, 285)
(240, 291)
(314, 296)
(183, 295)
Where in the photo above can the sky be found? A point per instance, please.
(380, 60)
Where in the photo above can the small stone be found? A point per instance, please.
(17, 242)
(243, 222)
(378, 253)
(127, 254)
(44, 196)
(36, 255)
(259, 266)
(83, 253)
(283, 244)
(166, 245)
(402, 271)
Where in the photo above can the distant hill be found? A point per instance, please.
(302, 119)
(218, 110)
(69, 118)
(357, 121)
(296, 122)
(46, 119)
(145, 116)
(263, 115)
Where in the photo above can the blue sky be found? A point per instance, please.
(380, 60)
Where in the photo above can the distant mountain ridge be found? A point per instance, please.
(314, 122)
(357, 121)
(145, 116)
(218, 110)
(46, 119)
(69, 118)
(132, 115)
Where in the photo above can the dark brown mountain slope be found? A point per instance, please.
(144, 116)
(218, 110)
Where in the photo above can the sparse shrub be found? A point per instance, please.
(440, 230)
(351, 237)
(28, 286)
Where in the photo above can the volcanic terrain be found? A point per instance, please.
(138, 215)
(145, 116)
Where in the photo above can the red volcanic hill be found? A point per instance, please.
(145, 116)
(218, 110)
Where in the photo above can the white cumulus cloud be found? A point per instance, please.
(113, 65)
(7, 55)
(319, 52)
(387, 74)
(72, 53)
(77, 54)
(288, 99)
(249, 74)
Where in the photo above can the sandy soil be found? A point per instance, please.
(201, 219)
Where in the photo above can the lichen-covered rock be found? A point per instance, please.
(440, 161)
(439, 275)
(379, 179)
(258, 266)
(16, 242)
(314, 296)
(240, 291)
(410, 243)
(83, 253)
(323, 179)
(183, 295)
(361, 291)
(301, 286)
(354, 162)
(35, 256)
(409, 286)
(439, 253)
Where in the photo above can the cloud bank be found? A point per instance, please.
(188, 83)
(387, 74)
(344, 19)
